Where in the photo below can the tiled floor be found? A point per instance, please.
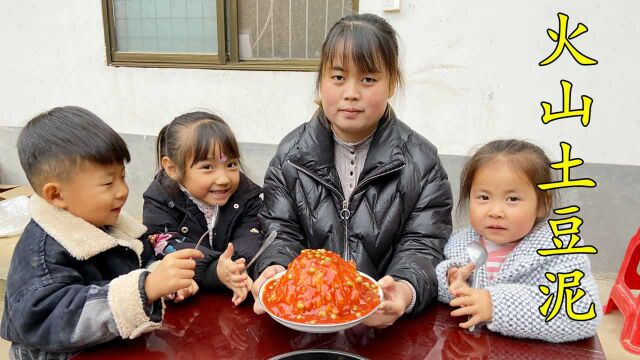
(609, 332)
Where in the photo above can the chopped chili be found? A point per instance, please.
(319, 287)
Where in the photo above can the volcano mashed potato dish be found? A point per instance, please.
(319, 287)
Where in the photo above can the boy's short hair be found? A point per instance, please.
(53, 144)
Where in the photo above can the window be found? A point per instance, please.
(220, 34)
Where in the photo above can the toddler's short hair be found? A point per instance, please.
(526, 158)
(53, 144)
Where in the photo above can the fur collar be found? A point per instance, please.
(81, 239)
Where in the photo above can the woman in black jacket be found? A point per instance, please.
(356, 180)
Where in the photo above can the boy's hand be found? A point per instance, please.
(476, 303)
(397, 297)
(268, 273)
(459, 277)
(175, 272)
(186, 292)
(230, 272)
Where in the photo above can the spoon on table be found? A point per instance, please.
(478, 255)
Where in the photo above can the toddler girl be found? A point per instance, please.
(507, 213)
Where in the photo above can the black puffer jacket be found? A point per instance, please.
(168, 210)
(396, 221)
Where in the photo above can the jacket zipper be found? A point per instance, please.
(345, 213)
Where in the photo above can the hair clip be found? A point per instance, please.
(222, 158)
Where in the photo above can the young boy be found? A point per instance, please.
(77, 277)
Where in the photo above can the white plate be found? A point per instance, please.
(317, 328)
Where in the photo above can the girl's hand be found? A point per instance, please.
(240, 293)
(459, 277)
(241, 280)
(186, 292)
(230, 272)
(175, 272)
(397, 296)
(476, 303)
(255, 289)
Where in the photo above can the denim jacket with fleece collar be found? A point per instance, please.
(72, 285)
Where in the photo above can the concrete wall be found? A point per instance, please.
(471, 71)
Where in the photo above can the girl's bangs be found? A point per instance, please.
(209, 139)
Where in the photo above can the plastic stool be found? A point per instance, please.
(622, 298)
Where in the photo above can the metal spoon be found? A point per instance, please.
(216, 211)
(264, 246)
(478, 255)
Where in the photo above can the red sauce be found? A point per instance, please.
(319, 287)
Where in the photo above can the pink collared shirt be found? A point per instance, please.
(497, 254)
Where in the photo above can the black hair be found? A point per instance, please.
(526, 158)
(192, 137)
(366, 39)
(53, 144)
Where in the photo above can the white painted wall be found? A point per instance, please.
(471, 70)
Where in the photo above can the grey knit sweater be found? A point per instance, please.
(515, 294)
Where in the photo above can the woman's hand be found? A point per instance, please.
(397, 297)
(476, 303)
(268, 273)
(459, 277)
